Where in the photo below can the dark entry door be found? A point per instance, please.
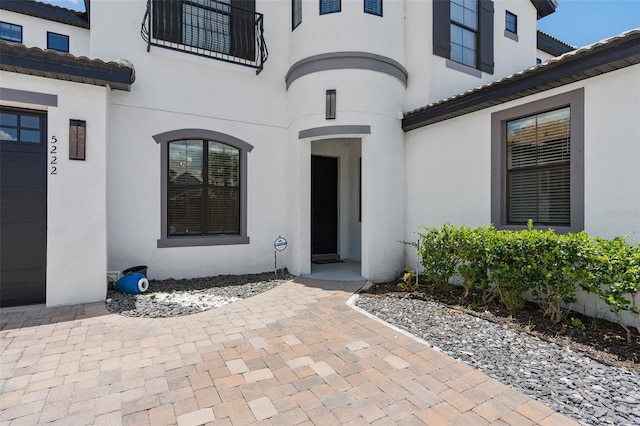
(23, 206)
(324, 207)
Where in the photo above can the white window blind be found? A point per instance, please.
(538, 168)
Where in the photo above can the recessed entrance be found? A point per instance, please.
(324, 208)
(23, 207)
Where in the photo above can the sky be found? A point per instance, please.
(576, 22)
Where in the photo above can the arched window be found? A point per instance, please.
(204, 196)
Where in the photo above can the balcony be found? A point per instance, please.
(210, 28)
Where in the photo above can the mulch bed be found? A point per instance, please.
(602, 340)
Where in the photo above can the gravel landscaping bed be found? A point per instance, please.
(568, 381)
(169, 298)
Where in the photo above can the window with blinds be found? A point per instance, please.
(329, 6)
(538, 168)
(203, 190)
(373, 7)
(464, 28)
(205, 25)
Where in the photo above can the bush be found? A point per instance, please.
(439, 251)
(549, 267)
(613, 273)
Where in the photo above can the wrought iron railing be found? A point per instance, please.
(211, 28)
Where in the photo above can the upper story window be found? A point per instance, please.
(464, 28)
(296, 13)
(373, 7)
(57, 42)
(10, 32)
(204, 188)
(511, 22)
(229, 30)
(330, 6)
(463, 32)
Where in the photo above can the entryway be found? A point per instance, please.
(324, 209)
(23, 206)
(335, 207)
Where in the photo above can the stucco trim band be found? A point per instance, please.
(316, 132)
(27, 97)
(346, 60)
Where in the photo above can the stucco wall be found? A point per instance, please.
(34, 32)
(429, 78)
(349, 30)
(448, 167)
(382, 159)
(76, 202)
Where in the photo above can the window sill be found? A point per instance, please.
(224, 240)
(457, 66)
(558, 229)
(512, 36)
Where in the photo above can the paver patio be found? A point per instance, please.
(294, 355)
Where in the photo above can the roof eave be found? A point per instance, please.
(47, 11)
(67, 68)
(544, 7)
(590, 63)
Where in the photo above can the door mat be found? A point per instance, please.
(323, 262)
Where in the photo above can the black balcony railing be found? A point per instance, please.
(210, 28)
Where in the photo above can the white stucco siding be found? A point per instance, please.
(134, 181)
(184, 83)
(359, 103)
(34, 32)
(612, 154)
(349, 30)
(76, 200)
(448, 174)
(429, 77)
(448, 164)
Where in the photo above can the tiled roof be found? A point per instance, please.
(64, 66)
(47, 11)
(607, 55)
(552, 45)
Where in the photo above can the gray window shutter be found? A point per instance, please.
(243, 31)
(441, 28)
(486, 36)
(167, 20)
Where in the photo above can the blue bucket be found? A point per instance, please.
(134, 283)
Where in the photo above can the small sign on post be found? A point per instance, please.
(278, 245)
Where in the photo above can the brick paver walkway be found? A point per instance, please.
(293, 355)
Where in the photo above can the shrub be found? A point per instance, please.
(509, 264)
(439, 251)
(613, 274)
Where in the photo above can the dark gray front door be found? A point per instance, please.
(23, 207)
(324, 207)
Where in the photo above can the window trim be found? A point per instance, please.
(371, 12)
(573, 99)
(295, 24)
(13, 25)
(163, 140)
(333, 11)
(51, 33)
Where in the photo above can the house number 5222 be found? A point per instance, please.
(53, 159)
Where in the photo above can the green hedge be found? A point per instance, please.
(546, 267)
